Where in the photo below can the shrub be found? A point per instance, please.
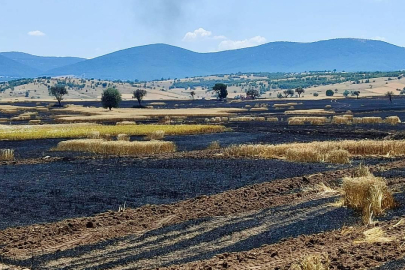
(316, 94)
(6, 154)
(329, 93)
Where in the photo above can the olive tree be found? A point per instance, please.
(252, 93)
(58, 91)
(139, 94)
(299, 91)
(111, 98)
(221, 90)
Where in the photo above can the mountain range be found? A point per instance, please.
(157, 61)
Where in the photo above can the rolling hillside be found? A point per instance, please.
(41, 63)
(11, 68)
(160, 60)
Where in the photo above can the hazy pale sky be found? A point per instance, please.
(89, 28)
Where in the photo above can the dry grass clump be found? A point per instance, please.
(285, 105)
(361, 171)
(341, 120)
(246, 119)
(6, 154)
(99, 146)
(34, 122)
(125, 123)
(335, 151)
(156, 135)
(301, 120)
(123, 137)
(313, 262)
(374, 235)
(296, 122)
(303, 155)
(214, 145)
(392, 120)
(310, 112)
(357, 120)
(93, 135)
(368, 194)
(259, 109)
(338, 156)
(372, 120)
(272, 119)
(328, 106)
(29, 132)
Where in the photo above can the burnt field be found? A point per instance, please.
(208, 204)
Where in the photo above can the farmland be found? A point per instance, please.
(200, 184)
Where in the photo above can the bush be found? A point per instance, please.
(316, 94)
(329, 93)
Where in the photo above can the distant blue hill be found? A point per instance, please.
(11, 68)
(41, 63)
(160, 60)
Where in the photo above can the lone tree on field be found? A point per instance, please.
(111, 98)
(221, 90)
(346, 93)
(299, 91)
(389, 94)
(58, 91)
(356, 93)
(192, 94)
(252, 93)
(139, 95)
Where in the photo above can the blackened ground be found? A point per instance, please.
(53, 191)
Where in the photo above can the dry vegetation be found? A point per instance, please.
(214, 145)
(17, 132)
(368, 194)
(310, 112)
(156, 135)
(100, 146)
(301, 120)
(88, 114)
(334, 152)
(6, 154)
(247, 118)
(313, 262)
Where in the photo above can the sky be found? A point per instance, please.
(90, 28)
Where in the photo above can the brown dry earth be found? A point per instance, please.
(22, 243)
(345, 249)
